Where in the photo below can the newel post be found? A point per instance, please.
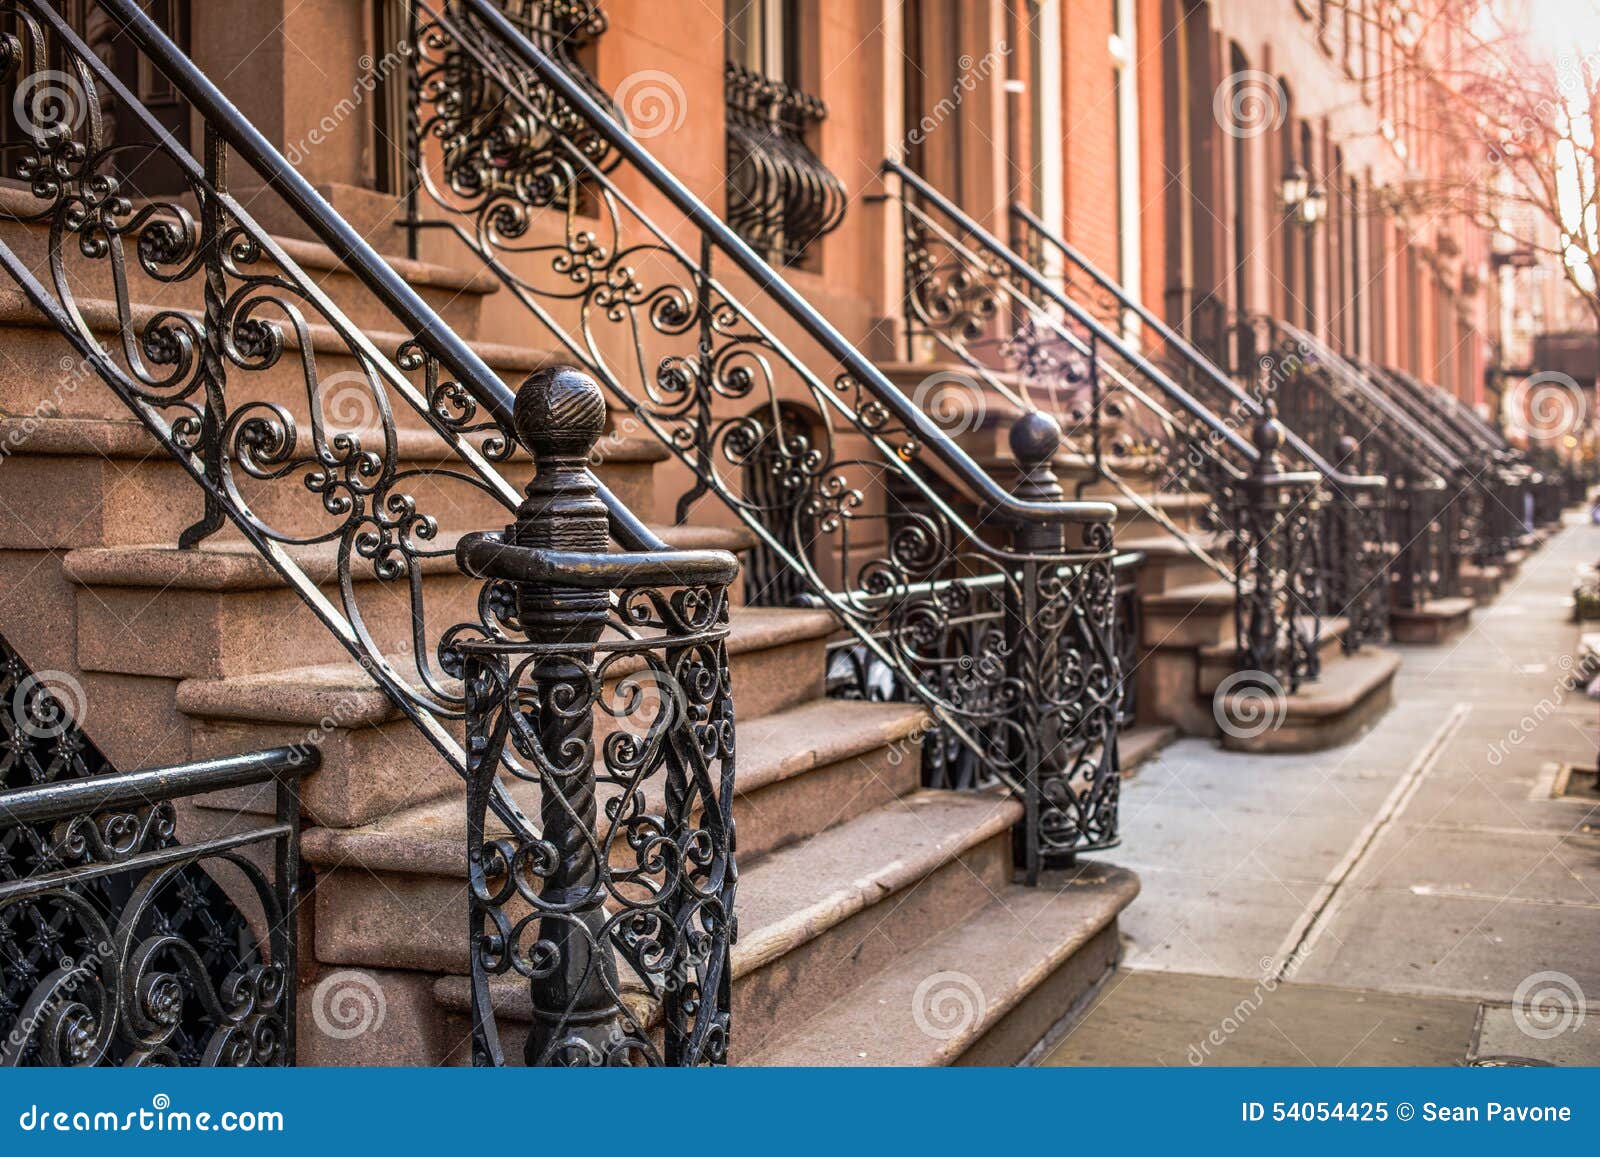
(1034, 438)
(560, 415)
(1261, 576)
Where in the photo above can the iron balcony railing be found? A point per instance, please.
(1357, 552)
(842, 479)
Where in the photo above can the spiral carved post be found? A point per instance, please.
(560, 414)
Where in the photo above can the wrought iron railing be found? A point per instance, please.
(1433, 509)
(781, 198)
(230, 369)
(843, 480)
(1028, 346)
(118, 945)
(1509, 484)
(1356, 555)
(619, 915)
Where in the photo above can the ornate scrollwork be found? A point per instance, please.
(152, 964)
(304, 433)
(847, 514)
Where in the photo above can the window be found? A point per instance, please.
(781, 198)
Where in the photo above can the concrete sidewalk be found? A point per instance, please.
(1425, 863)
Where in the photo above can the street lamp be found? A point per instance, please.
(1305, 204)
(1296, 185)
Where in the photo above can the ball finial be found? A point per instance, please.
(1268, 432)
(1349, 448)
(1035, 437)
(560, 413)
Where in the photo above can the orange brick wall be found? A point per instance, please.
(1089, 122)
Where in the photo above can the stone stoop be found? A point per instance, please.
(848, 865)
(1188, 649)
(1436, 621)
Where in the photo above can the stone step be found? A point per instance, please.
(221, 610)
(1197, 615)
(1219, 660)
(819, 918)
(1169, 561)
(980, 993)
(1351, 694)
(1141, 743)
(455, 294)
(46, 376)
(376, 762)
(1436, 621)
(75, 482)
(1480, 583)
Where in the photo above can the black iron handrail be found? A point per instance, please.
(715, 231)
(51, 801)
(1019, 268)
(1468, 426)
(353, 250)
(1192, 358)
(1268, 515)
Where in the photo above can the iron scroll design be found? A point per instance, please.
(332, 456)
(618, 915)
(847, 509)
(1135, 428)
(118, 944)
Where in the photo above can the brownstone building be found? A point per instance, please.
(953, 400)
